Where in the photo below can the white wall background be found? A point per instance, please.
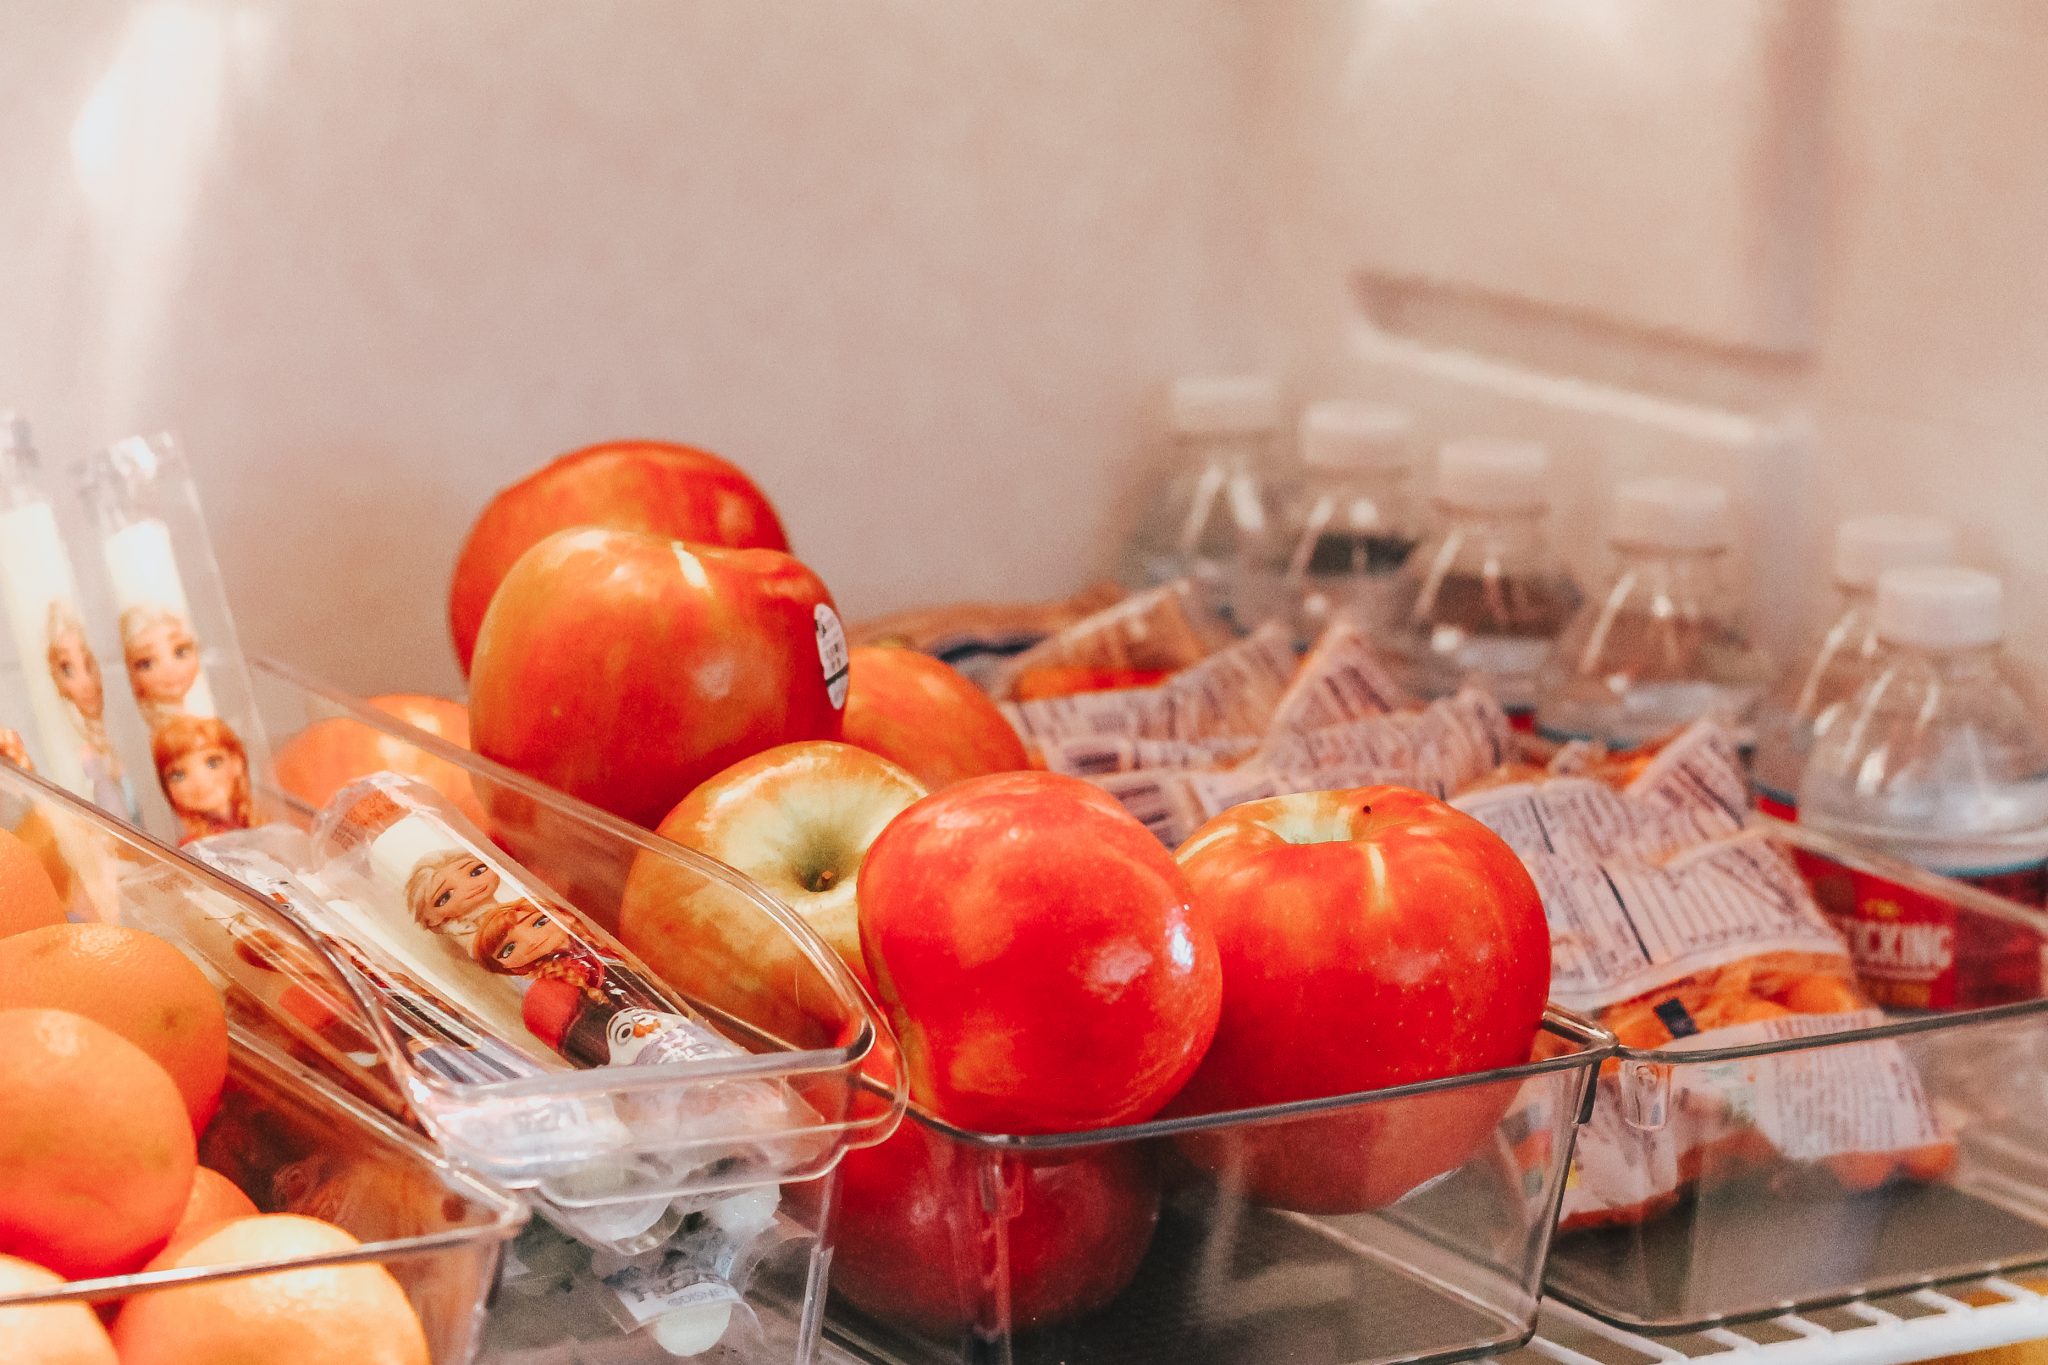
(922, 266)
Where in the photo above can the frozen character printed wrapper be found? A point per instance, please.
(177, 635)
(162, 657)
(434, 1033)
(60, 672)
(204, 772)
(488, 937)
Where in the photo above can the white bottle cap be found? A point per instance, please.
(1939, 606)
(1493, 474)
(1671, 514)
(1866, 546)
(1341, 434)
(1225, 405)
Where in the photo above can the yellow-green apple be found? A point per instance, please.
(797, 819)
(1369, 938)
(1038, 955)
(625, 669)
(922, 713)
(674, 491)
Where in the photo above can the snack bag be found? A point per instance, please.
(1229, 694)
(1681, 930)
(1136, 642)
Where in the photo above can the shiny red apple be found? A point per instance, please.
(939, 1236)
(1038, 956)
(625, 669)
(1369, 938)
(677, 492)
(798, 820)
(922, 713)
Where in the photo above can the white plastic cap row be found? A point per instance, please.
(1225, 405)
(1671, 514)
(1940, 606)
(1865, 547)
(1343, 434)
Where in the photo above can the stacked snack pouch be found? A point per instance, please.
(1680, 929)
(1253, 720)
(184, 670)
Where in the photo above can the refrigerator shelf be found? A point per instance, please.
(1891, 1329)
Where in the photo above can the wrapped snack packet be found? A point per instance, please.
(979, 637)
(545, 980)
(514, 950)
(1157, 632)
(66, 698)
(1097, 756)
(1342, 679)
(1229, 694)
(184, 669)
(1440, 748)
(1682, 930)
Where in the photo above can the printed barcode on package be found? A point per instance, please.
(1342, 679)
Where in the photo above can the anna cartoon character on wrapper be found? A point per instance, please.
(205, 775)
(587, 1005)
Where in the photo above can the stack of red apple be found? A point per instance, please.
(1047, 966)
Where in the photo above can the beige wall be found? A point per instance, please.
(1794, 243)
(922, 265)
(919, 266)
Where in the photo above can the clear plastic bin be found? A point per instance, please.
(1419, 1220)
(293, 1143)
(600, 1270)
(1758, 1230)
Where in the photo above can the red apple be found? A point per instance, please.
(1038, 956)
(1369, 938)
(798, 820)
(921, 1243)
(912, 708)
(625, 669)
(329, 754)
(673, 491)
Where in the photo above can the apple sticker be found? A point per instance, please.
(831, 652)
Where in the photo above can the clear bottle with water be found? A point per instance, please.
(1212, 519)
(1485, 596)
(1345, 517)
(1662, 643)
(1939, 761)
(1813, 697)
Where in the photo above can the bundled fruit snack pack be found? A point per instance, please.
(1682, 929)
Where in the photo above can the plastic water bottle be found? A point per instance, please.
(1346, 516)
(1661, 644)
(1939, 761)
(1212, 520)
(1814, 696)
(1485, 596)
